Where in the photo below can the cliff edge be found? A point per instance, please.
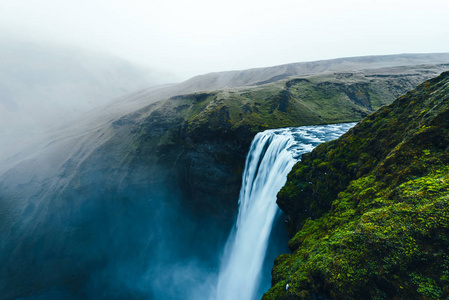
(369, 213)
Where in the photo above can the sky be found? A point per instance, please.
(194, 37)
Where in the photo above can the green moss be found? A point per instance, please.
(369, 212)
(313, 100)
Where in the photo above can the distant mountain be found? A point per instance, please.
(388, 65)
(258, 76)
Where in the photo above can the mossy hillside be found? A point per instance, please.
(369, 212)
(307, 100)
(310, 100)
(203, 137)
(237, 115)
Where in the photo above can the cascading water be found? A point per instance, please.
(271, 157)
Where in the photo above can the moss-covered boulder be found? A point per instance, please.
(369, 213)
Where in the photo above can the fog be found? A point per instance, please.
(58, 58)
(44, 84)
(81, 221)
(84, 217)
(76, 226)
(189, 38)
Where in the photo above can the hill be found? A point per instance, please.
(368, 213)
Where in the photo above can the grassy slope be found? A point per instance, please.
(372, 207)
(323, 99)
(188, 133)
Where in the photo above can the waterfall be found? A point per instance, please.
(271, 157)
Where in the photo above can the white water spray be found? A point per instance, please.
(271, 157)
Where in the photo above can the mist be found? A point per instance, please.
(69, 231)
(44, 85)
(192, 38)
(87, 214)
(78, 225)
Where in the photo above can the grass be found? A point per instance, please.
(369, 212)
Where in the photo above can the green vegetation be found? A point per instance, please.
(212, 130)
(295, 102)
(309, 100)
(369, 212)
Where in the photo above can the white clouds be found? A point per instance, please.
(197, 36)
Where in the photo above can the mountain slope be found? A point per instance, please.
(258, 76)
(387, 65)
(368, 212)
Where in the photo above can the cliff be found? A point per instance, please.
(368, 213)
(203, 137)
(106, 202)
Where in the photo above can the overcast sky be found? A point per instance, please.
(198, 36)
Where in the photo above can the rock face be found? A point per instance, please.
(368, 213)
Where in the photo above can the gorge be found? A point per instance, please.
(136, 199)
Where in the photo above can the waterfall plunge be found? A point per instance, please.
(271, 157)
